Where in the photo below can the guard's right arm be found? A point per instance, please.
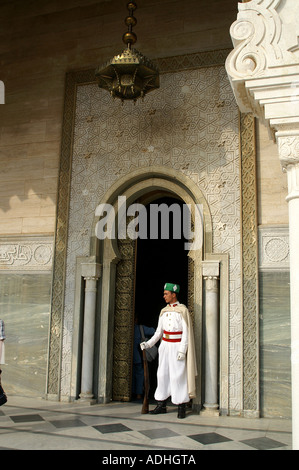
(158, 335)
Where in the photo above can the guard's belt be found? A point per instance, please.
(172, 336)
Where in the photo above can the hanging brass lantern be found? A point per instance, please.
(129, 75)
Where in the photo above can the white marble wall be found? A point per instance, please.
(25, 304)
(275, 322)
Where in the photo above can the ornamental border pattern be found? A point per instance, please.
(74, 79)
(249, 266)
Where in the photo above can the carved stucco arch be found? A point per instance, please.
(142, 181)
(134, 186)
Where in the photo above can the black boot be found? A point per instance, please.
(160, 408)
(182, 411)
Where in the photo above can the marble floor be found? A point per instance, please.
(38, 424)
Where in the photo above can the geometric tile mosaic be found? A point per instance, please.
(67, 423)
(26, 418)
(263, 443)
(209, 438)
(109, 428)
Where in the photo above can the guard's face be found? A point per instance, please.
(169, 297)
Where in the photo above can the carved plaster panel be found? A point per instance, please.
(274, 249)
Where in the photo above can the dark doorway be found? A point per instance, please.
(159, 261)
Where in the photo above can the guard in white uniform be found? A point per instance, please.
(176, 334)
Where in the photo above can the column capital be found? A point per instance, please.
(91, 278)
(211, 283)
(210, 269)
(90, 270)
(288, 150)
(288, 147)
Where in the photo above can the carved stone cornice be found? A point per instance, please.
(264, 66)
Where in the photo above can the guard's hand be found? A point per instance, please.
(144, 345)
(181, 356)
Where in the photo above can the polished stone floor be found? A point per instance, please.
(37, 424)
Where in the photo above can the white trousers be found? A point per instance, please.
(171, 375)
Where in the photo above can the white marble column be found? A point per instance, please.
(91, 273)
(288, 146)
(211, 336)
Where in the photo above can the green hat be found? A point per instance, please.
(172, 287)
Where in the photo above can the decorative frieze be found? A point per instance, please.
(26, 254)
